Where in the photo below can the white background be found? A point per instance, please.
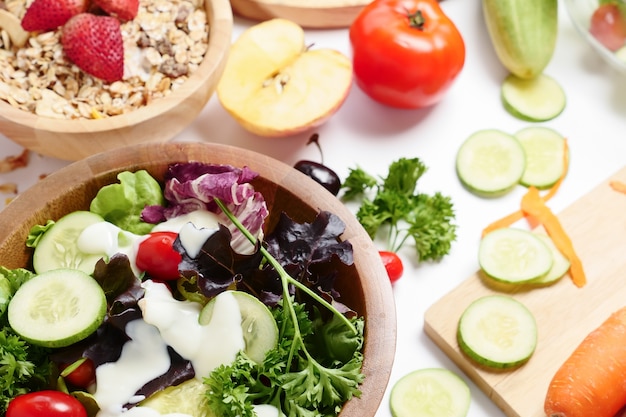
(363, 133)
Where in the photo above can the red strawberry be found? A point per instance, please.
(50, 14)
(123, 9)
(95, 45)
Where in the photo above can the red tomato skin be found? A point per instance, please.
(400, 65)
(393, 265)
(157, 257)
(83, 376)
(608, 26)
(46, 403)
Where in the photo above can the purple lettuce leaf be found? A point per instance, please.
(194, 186)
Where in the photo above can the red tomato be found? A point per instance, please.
(608, 26)
(406, 53)
(157, 257)
(45, 403)
(393, 265)
(84, 375)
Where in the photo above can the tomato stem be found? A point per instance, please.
(416, 19)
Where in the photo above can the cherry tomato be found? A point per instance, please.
(157, 257)
(608, 26)
(83, 376)
(406, 53)
(45, 403)
(393, 265)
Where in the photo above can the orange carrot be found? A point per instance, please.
(618, 186)
(592, 381)
(533, 205)
(508, 220)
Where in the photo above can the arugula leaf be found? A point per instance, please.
(393, 203)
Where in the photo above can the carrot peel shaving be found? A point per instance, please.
(533, 205)
(509, 219)
(618, 186)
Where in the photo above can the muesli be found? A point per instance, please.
(163, 45)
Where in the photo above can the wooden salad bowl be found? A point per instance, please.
(307, 13)
(364, 286)
(156, 122)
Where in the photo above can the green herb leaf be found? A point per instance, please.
(23, 367)
(121, 204)
(36, 232)
(298, 376)
(397, 208)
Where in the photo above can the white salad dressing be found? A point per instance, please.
(200, 218)
(193, 239)
(266, 410)
(107, 239)
(205, 346)
(166, 321)
(143, 359)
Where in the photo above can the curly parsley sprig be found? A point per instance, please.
(315, 368)
(406, 213)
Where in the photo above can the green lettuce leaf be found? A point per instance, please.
(121, 204)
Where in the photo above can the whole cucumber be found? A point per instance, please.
(523, 33)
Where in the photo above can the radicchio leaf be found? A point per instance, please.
(194, 186)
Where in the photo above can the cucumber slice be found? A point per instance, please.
(432, 392)
(57, 308)
(490, 163)
(58, 249)
(544, 149)
(260, 332)
(497, 331)
(188, 397)
(560, 264)
(535, 100)
(514, 256)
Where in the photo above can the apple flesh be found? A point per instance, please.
(274, 85)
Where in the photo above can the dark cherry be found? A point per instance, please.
(321, 174)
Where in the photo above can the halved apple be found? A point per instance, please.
(274, 85)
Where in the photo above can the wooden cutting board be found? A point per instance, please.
(306, 13)
(564, 313)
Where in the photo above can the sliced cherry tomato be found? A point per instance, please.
(83, 376)
(608, 25)
(47, 403)
(406, 53)
(393, 265)
(157, 257)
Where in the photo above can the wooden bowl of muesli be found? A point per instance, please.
(361, 283)
(175, 52)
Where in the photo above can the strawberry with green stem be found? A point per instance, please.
(95, 45)
(43, 15)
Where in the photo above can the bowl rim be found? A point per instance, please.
(27, 209)
(576, 17)
(220, 21)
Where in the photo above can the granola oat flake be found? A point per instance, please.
(163, 45)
